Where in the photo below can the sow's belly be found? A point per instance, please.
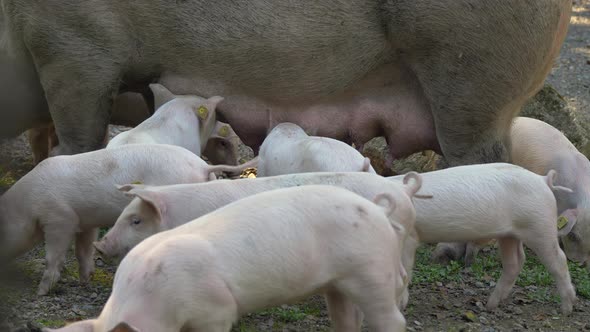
(387, 102)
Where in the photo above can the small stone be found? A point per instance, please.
(417, 323)
(99, 262)
(469, 316)
(469, 292)
(479, 305)
(93, 295)
(518, 311)
(492, 283)
(483, 320)
(446, 305)
(78, 311)
(439, 284)
(479, 284)
(518, 326)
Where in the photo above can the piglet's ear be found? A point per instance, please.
(212, 102)
(124, 327)
(161, 95)
(153, 199)
(566, 221)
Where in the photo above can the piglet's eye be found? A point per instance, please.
(572, 236)
(135, 221)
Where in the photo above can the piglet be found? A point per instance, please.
(159, 208)
(262, 251)
(539, 147)
(186, 121)
(497, 201)
(288, 149)
(222, 146)
(71, 196)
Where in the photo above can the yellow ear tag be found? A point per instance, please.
(223, 131)
(202, 111)
(136, 182)
(561, 222)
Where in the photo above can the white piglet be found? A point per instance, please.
(262, 251)
(539, 147)
(71, 196)
(159, 208)
(288, 149)
(187, 121)
(497, 201)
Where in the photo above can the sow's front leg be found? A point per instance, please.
(80, 111)
(80, 75)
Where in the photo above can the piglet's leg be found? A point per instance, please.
(57, 240)
(85, 253)
(510, 250)
(549, 253)
(374, 294)
(345, 316)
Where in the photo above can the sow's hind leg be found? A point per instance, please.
(478, 64)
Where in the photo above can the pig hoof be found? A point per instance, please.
(493, 301)
(566, 309)
(491, 305)
(43, 290)
(86, 276)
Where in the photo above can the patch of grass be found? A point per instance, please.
(30, 269)
(102, 278)
(7, 179)
(246, 327)
(427, 272)
(71, 270)
(580, 279)
(287, 315)
(534, 273)
(102, 231)
(487, 266)
(293, 313)
(52, 322)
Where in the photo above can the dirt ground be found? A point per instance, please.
(448, 298)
